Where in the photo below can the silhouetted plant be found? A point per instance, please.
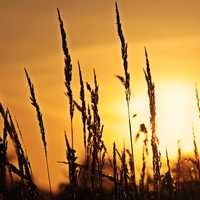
(68, 74)
(125, 80)
(154, 139)
(40, 123)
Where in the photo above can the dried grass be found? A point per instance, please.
(154, 139)
(126, 83)
(40, 123)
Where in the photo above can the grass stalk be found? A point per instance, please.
(196, 153)
(154, 139)
(40, 122)
(178, 168)
(82, 109)
(68, 74)
(126, 83)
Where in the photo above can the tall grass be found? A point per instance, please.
(197, 99)
(95, 144)
(145, 153)
(23, 171)
(154, 139)
(196, 153)
(3, 155)
(168, 176)
(125, 80)
(82, 109)
(40, 123)
(178, 169)
(72, 162)
(68, 74)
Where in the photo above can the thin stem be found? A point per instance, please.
(72, 134)
(131, 141)
(48, 173)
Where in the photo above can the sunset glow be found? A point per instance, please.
(30, 38)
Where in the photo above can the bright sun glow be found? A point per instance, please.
(176, 107)
(176, 114)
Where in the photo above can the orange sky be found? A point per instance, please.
(30, 38)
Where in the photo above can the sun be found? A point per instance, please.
(176, 114)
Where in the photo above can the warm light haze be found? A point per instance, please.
(30, 38)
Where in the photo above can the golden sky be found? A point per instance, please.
(30, 37)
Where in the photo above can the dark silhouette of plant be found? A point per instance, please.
(125, 80)
(40, 123)
(154, 139)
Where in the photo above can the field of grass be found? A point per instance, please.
(99, 176)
